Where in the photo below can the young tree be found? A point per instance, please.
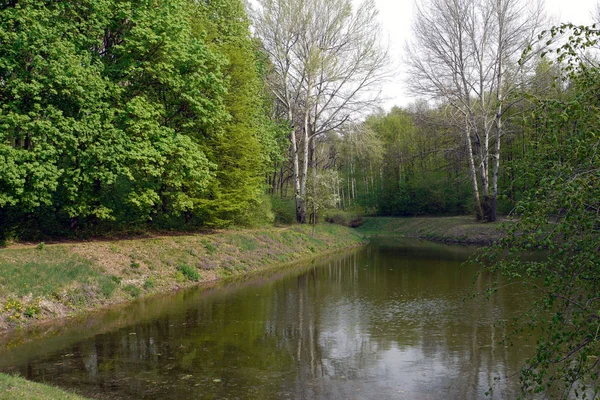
(560, 215)
(466, 53)
(327, 66)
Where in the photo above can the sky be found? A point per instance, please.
(395, 17)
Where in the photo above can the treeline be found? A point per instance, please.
(414, 161)
(127, 113)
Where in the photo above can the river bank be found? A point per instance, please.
(459, 230)
(13, 387)
(45, 282)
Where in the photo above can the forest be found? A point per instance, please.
(129, 115)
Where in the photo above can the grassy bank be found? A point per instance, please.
(41, 282)
(12, 387)
(462, 229)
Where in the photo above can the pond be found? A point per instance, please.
(388, 320)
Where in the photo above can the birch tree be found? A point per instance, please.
(466, 53)
(327, 66)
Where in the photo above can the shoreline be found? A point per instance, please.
(463, 230)
(61, 280)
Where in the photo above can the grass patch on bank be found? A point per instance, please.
(42, 271)
(12, 387)
(460, 229)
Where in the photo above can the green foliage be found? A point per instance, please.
(351, 219)
(244, 147)
(259, 214)
(559, 214)
(15, 387)
(32, 310)
(108, 287)
(284, 210)
(398, 164)
(210, 248)
(14, 309)
(322, 193)
(123, 113)
(189, 272)
(28, 271)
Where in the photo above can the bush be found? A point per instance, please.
(189, 272)
(352, 218)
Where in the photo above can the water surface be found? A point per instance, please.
(385, 321)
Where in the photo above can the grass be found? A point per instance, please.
(42, 272)
(460, 229)
(12, 387)
(243, 242)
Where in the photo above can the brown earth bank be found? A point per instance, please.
(46, 282)
(457, 229)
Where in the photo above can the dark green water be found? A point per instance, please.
(385, 321)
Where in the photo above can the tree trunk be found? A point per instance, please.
(500, 99)
(494, 200)
(296, 171)
(473, 174)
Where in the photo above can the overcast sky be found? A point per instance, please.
(396, 16)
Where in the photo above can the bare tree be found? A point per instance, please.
(327, 67)
(467, 53)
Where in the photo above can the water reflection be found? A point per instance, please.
(385, 321)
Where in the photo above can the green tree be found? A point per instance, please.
(559, 214)
(119, 112)
(245, 147)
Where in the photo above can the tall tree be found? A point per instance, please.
(242, 147)
(466, 53)
(327, 66)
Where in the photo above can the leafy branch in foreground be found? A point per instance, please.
(560, 215)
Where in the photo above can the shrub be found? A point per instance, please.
(259, 213)
(189, 272)
(352, 219)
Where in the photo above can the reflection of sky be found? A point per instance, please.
(412, 343)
